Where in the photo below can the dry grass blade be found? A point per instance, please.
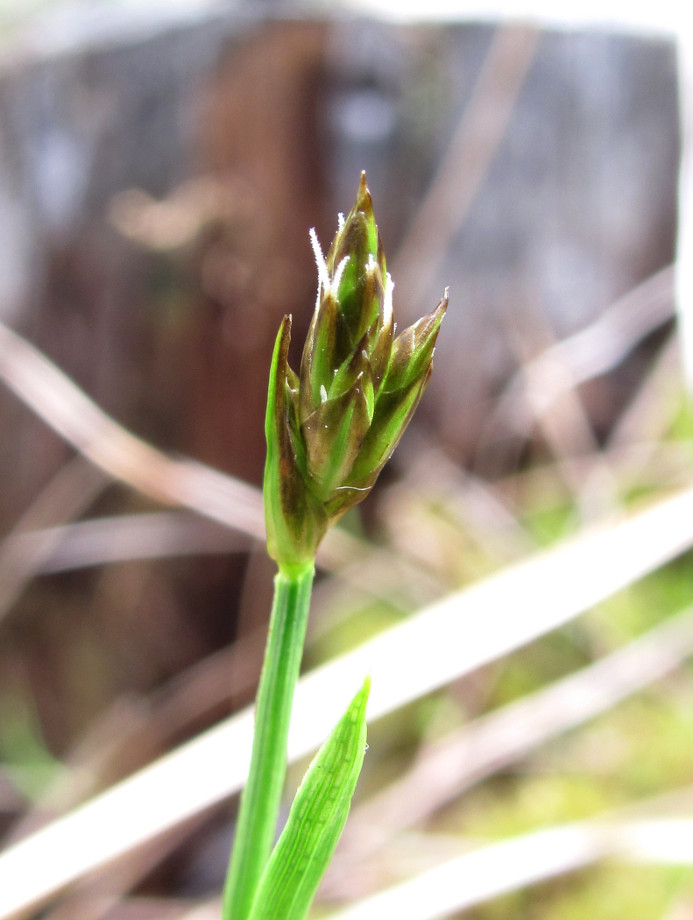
(495, 740)
(466, 630)
(66, 496)
(207, 911)
(102, 895)
(467, 160)
(502, 867)
(684, 236)
(648, 414)
(564, 420)
(501, 613)
(594, 350)
(68, 411)
(121, 538)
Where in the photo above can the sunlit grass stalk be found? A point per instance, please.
(330, 429)
(261, 799)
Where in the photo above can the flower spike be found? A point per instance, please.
(331, 428)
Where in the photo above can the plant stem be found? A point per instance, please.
(259, 807)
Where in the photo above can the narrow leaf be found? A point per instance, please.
(316, 820)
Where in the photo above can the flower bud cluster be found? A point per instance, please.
(331, 428)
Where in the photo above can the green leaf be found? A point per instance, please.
(316, 820)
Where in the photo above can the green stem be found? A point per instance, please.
(259, 808)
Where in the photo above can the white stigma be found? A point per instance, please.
(387, 299)
(323, 274)
(338, 275)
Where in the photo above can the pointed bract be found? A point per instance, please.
(333, 436)
(412, 350)
(332, 429)
(295, 520)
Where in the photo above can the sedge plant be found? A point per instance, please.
(330, 430)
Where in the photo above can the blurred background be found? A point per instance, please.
(160, 166)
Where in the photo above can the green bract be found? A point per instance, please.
(331, 428)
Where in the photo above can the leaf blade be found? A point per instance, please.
(316, 820)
